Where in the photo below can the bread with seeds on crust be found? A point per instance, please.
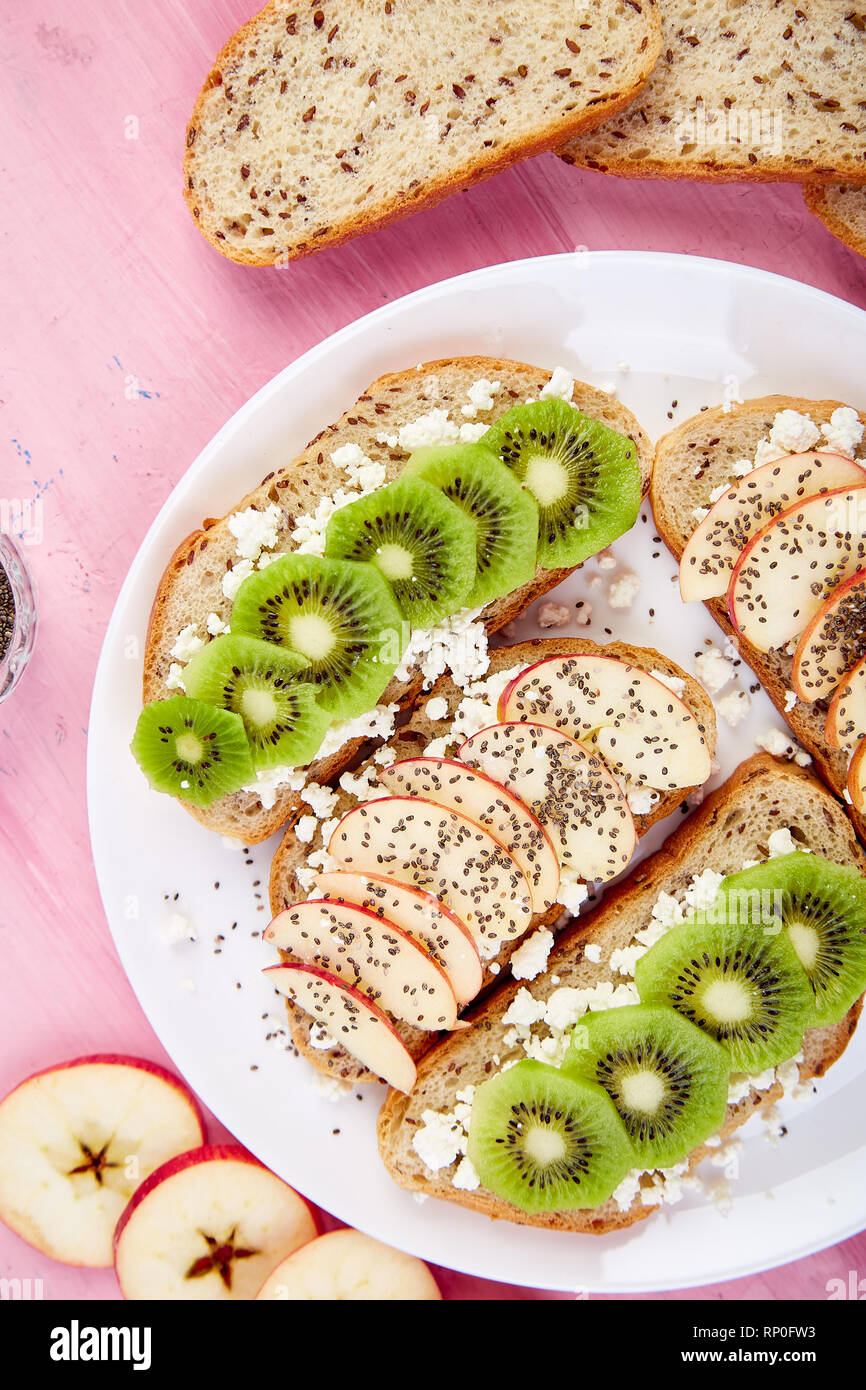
(191, 587)
(691, 461)
(733, 825)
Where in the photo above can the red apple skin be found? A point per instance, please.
(363, 912)
(811, 627)
(118, 1059)
(208, 1153)
(829, 726)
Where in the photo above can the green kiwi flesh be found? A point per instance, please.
(339, 615)
(504, 515)
(821, 907)
(422, 544)
(192, 750)
(742, 985)
(584, 476)
(259, 681)
(545, 1141)
(667, 1078)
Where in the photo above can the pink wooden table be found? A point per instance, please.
(128, 342)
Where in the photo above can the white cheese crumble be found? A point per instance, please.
(321, 800)
(790, 700)
(270, 780)
(376, 723)
(362, 471)
(437, 708)
(640, 800)
(606, 560)
(470, 434)
(305, 829)
(734, 707)
(459, 646)
(215, 625)
(572, 892)
(174, 679)
(592, 951)
(530, 959)
(560, 387)
(781, 745)
(177, 928)
(433, 428)
(843, 432)
(676, 684)
(308, 536)
(624, 590)
(329, 1087)
(320, 1039)
(466, 1178)
(713, 670)
(794, 432)
(255, 531)
(553, 615)
(234, 578)
(480, 395)
(703, 890)
(187, 643)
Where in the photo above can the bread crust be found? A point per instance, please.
(688, 849)
(242, 815)
(393, 208)
(408, 741)
(818, 201)
(805, 721)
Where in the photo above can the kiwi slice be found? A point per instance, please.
(584, 476)
(545, 1141)
(504, 515)
(283, 720)
(420, 542)
(822, 908)
(192, 750)
(339, 615)
(667, 1079)
(742, 986)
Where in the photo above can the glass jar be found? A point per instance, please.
(17, 616)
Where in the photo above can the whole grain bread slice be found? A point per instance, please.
(410, 741)
(842, 209)
(733, 825)
(691, 461)
(322, 120)
(191, 586)
(745, 91)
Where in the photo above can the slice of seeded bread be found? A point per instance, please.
(191, 587)
(733, 825)
(842, 209)
(410, 741)
(691, 461)
(751, 90)
(320, 121)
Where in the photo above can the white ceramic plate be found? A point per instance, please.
(666, 330)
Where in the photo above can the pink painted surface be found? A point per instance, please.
(128, 342)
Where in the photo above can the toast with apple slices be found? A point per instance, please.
(732, 826)
(833, 641)
(693, 461)
(190, 593)
(408, 741)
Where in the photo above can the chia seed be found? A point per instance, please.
(7, 613)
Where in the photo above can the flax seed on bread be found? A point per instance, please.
(745, 91)
(191, 587)
(733, 825)
(411, 740)
(320, 121)
(691, 461)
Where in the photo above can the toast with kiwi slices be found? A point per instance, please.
(394, 571)
(537, 1092)
(704, 469)
(437, 729)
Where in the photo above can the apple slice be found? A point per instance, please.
(75, 1142)
(346, 1265)
(712, 550)
(350, 1018)
(208, 1225)
(454, 785)
(832, 641)
(637, 724)
(846, 716)
(857, 778)
(426, 919)
(790, 566)
(371, 954)
(426, 846)
(571, 791)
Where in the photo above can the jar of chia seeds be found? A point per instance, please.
(17, 616)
